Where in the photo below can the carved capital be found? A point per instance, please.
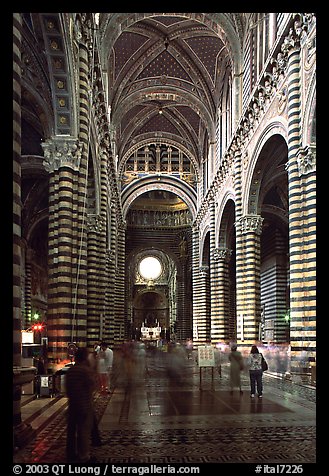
(306, 160)
(204, 271)
(222, 254)
(83, 30)
(110, 256)
(299, 29)
(62, 152)
(95, 223)
(250, 223)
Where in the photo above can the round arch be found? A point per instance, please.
(220, 216)
(159, 182)
(250, 199)
(164, 140)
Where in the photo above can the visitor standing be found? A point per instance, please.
(104, 366)
(80, 385)
(255, 372)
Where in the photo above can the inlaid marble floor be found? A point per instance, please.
(178, 418)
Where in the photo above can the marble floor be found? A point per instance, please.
(170, 416)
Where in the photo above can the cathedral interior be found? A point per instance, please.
(164, 184)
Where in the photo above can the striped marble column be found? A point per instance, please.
(17, 311)
(62, 159)
(79, 264)
(301, 196)
(249, 229)
(17, 26)
(28, 289)
(103, 232)
(204, 324)
(212, 274)
(111, 266)
(119, 289)
(240, 241)
(197, 288)
(220, 295)
(93, 279)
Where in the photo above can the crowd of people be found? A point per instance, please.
(93, 371)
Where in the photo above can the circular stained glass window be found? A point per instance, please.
(150, 268)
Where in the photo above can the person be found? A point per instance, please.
(236, 360)
(95, 435)
(104, 366)
(80, 385)
(255, 372)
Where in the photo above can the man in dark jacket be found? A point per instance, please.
(80, 385)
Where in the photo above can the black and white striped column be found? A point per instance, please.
(301, 196)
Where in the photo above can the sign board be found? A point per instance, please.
(206, 356)
(27, 337)
(240, 327)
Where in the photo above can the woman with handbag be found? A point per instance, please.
(255, 372)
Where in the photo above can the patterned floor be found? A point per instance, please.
(178, 418)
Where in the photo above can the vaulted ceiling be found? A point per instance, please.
(166, 75)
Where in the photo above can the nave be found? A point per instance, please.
(166, 418)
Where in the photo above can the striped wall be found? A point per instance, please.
(199, 277)
(274, 286)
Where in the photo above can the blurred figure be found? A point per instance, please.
(255, 372)
(104, 366)
(140, 361)
(236, 361)
(218, 360)
(93, 362)
(176, 362)
(80, 385)
(189, 348)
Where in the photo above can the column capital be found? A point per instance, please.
(204, 271)
(222, 254)
(83, 30)
(250, 223)
(95, 222)
(306, 159)
(62, 152)
(302, 22)
(110, 256)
